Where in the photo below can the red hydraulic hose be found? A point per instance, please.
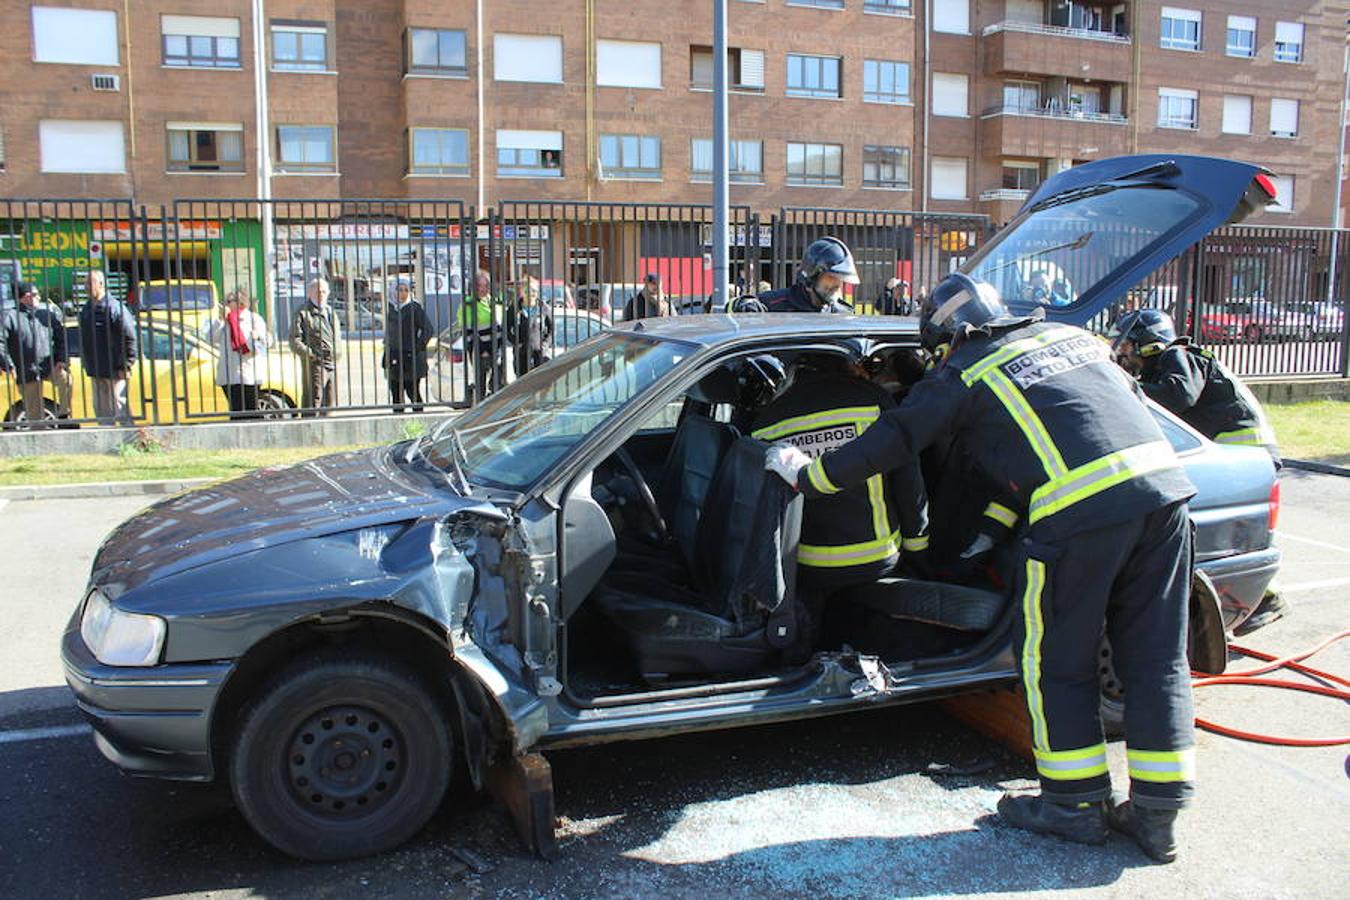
(1249, 678)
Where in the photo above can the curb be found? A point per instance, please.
(1320, 468)
(100, 489)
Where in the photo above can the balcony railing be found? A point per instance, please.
(1054, 112)
(1004, 194)
(1087, 34)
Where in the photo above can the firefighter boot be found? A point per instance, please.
(1152, 829)
(1082, 823)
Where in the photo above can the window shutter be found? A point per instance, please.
(1283, 117)
(1237, 115)
(201, 26)
(81, 146)
(1242, 23)
(949, 95)
(1284, 193)
(627, 64)
(529, 140)
(1289, 32)
(83, 37)
(951, 16)
(1188, 15)
(949, 178)
(527, 57)
(752, 68)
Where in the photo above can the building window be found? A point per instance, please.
(1237, 115)
(204, 147)
(949, 178)
(630, 156)
(886, 167)
(1284, 117)
(819, 4)
(1289, 42)
(950, 94)
(200, 42)
(812, 76)
(438, 151)
(1241, 36)
(436, 51)
(1180, 29)
(815, 164)
(1021, 175)
(951, 16)
(885, 81)
(1021, 96)
(81, 146)
(1177, 108)
(529, 154)
(81, 37)
(745, 161)
(630, 64)
(527, 57)
(887, 7)
(745, 69)
(305, 148)
(299, 46)
(1284, 194)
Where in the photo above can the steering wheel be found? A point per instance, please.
(644, 491)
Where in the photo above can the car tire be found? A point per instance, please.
(1112, 704)
(341, 758)
(16, 413)
(275, 405)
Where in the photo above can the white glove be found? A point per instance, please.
(982, 544)
(786, 460)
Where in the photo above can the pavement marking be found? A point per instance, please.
(42, 734)
(3, 501)
(1284, 535)
(1314, 585)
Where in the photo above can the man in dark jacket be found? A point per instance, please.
(1046, 416)
(533, 326)
(108, 349)
(316, 337)
(406, 332)
(33, 349)
(827, 265)
(648, 303)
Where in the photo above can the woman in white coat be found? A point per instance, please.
(241, 340)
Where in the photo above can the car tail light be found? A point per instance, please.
(1266, 185)
(457, 356)
(1273, 516)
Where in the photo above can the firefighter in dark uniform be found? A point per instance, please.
(1104, 545)
(827, 266)
(855, 536)
(1191, 383)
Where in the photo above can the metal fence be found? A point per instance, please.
(497, 293)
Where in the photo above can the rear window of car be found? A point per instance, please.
(1178, 435)
(176, 296)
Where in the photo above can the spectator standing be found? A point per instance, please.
(483, 338)
(108, 349)
(406, 333)
(895, 299)
(241, 340)
(316, 337)
(33, 348)
(534, 327)
(647, 303)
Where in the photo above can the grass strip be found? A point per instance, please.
(1317, 430)
(153, 465)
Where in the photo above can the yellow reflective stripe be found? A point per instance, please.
(876, 496)
(1162, 766)
(915, 543)
(815, 473)
(849, 554)
(1008, 351)
(1070, 765)
(1001, 514)
(1030, 423)
(1092, 478)
(1031, 652)
(1250, 437)
(848, 415)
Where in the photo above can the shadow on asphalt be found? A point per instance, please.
(629, 816)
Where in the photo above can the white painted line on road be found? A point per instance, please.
(1314, 585)
(42, 734)
(3, 501)
(1284, 535)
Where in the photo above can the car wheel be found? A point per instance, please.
(1252, 334)
(275, 405)
(17, 413)
(1113, 693)
(342, 758)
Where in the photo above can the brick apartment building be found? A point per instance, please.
(935, 105)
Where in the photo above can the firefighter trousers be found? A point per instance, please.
(1132, 582)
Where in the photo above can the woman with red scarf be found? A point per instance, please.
(241, 339)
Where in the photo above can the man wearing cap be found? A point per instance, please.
(647, 303)
(33, 348)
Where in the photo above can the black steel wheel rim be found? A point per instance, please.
(345, 762)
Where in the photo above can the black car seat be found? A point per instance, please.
(741, 580)
(906, 618)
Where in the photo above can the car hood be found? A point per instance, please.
(1091, 243)
(267, 507)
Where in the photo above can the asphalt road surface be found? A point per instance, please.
(839, 807)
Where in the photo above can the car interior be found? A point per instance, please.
(679, 551)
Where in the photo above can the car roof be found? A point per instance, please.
(710, 329)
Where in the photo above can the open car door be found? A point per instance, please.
(1089, 234)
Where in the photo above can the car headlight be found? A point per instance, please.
(118, 638)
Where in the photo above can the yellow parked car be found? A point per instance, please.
(176, 369)
(190, 302)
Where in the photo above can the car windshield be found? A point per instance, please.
(1054, 253)
(516, 435)
(185, 296)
